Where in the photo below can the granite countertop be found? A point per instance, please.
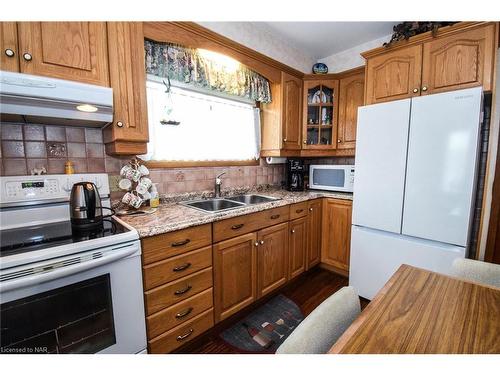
(172, 216)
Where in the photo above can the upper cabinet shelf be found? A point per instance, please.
(459, 57)
(320, 114)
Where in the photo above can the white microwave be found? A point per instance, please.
(331, 177)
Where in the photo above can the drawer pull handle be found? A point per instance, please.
(299, 210)
(181, 243)
(237, 226)
(181, 268)
(275, 216)
(182, 291)
(187, 334)
(184, 313)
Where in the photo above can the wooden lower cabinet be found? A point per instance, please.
(272, 258)
(191, 284)
(314, 229)
(182, 334)
(336, 236)
(235, 270)
(297, 246)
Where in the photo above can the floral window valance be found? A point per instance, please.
(190, 66)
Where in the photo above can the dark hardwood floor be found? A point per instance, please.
(307, 291)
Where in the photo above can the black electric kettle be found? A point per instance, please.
(85, 206)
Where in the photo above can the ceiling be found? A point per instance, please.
(322, 39)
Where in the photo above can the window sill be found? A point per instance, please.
(208, 163)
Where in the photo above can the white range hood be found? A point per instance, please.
(36, 99)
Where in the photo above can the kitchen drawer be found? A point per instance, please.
(298, 210)
(174, 243)
(178, 290)
(182, 334)
(162, 272)
(237, 226)
(179, 313)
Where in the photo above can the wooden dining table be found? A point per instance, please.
(419, 311)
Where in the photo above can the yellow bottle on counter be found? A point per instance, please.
(154, 201)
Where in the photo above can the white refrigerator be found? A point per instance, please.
(414, 185)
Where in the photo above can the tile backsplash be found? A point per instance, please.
(27, 146)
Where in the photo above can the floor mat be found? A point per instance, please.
(264, 329)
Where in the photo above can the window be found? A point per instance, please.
(187, 125)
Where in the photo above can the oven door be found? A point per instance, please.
(85, 303)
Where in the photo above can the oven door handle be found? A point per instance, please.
(56, 273)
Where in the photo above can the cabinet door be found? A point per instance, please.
(320, 114)
(68, 50)
(459, 61)
(129, 132)
(336, 233)
(394, 75)
(351, 96)
(292, 94)
(314, 222)
(297, 247)
(272, 258)
(9, 58)
(235, 267)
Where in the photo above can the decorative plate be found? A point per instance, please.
(320, 68)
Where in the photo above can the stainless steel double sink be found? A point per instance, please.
(223, 204)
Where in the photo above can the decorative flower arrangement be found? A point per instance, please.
(138, 187)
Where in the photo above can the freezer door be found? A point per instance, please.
(376, 255)
(381, 144)
(441, 169)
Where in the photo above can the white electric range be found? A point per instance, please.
(61, 290)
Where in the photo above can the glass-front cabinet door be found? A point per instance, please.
(320, 114)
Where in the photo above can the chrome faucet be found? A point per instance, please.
(218, 183)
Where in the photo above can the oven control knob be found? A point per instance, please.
(67, 186)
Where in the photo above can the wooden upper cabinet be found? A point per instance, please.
(459, 61)
(9, 58)
(297, 246)
(128, 134)
(235, 273)
(68, 50)
(292, 112)
(351, 96)
(319, 121)
(314, 221)
(394, 75)
(272, 258)
(336, 241)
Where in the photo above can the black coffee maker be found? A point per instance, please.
(294, 172)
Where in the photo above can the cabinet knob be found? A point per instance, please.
(119, 124)
(257, 243)
(9, 52)
(424, 88)
(293, 230)
(310, 209)
(415, 90)
(27, 56)
(339, 140)
(262, 242)
(305, 142)
(284, 139)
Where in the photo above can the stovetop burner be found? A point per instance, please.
(38, 237)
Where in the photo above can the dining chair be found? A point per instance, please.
(321, 328)
(475, 270)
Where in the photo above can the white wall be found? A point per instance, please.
(351, 57)
(258, 37)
